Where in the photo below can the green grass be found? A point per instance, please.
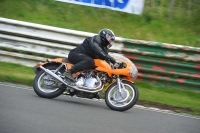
(169, 96)
(152, 25)
(16, 73)
(149, 95)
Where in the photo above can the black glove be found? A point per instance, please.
(110, 59)
(116, 65)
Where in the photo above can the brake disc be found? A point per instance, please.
(121, 97)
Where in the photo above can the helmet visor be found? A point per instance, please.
(110, 40)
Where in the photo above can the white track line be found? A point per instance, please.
(101, 100)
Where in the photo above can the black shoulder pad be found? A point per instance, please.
(97, 39)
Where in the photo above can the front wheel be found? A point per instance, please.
(124, 100)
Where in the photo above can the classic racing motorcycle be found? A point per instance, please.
(117, 83)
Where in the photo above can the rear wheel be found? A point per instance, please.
(124, 100)
(46, 86)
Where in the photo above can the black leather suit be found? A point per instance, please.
(83, 55)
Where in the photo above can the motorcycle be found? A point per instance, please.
(116, 81)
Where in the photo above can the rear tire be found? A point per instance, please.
(48, 92)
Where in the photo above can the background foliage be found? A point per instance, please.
(169, 21)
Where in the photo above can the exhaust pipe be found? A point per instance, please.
(61, 80)
(54, 75)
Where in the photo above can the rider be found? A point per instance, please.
(95, 47)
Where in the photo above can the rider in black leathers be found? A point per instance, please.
(95, 47)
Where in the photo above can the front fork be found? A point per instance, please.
(120, 84)
(122, 92)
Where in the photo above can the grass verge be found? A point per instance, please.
(162, 97)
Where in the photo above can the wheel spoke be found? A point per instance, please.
(47, 84)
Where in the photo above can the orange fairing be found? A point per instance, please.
(57, 60)
(105, 67)
(100, 65)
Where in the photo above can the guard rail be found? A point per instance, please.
(158, 63)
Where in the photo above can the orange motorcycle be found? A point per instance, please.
(117, 83)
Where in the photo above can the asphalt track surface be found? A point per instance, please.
(22, 111)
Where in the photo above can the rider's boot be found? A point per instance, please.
(68, 74)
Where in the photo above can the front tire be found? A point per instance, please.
(121, 101)
(46, 86)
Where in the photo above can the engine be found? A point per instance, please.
(88, 80)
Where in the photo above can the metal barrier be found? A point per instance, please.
(166, 64)
(158, 63)
(39, 40)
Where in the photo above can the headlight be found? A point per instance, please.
(133, 72)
